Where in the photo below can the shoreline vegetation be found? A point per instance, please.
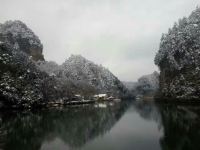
(79, 100)
(62, 103)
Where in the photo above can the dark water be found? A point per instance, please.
(112, 126)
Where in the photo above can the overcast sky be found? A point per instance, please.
(122, 35)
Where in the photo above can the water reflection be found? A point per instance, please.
(181, 127)
(137, 125)
(180, 124)
(75, 126)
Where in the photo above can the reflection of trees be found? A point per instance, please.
(74, 126)
(181, 126)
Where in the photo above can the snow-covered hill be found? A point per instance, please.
(26, 80)
(80, 73)
(22, 84)
(145, 84)
(179, 59)
(19, 36)
(130, 85)
(149, 82)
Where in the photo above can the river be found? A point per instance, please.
(132, 125)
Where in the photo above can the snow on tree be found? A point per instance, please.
(85, 77)
(179, 58)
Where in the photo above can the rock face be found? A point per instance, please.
(19, 36)
(179, 59)
(86, 77)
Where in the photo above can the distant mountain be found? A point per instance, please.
(149, 82)
(130, 85)
(81, 73)
(19, 36)
(145, 84)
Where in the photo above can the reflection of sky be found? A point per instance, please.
(131, 132)
(123, 35)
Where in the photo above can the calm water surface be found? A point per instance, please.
(109, 126)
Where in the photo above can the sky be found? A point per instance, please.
(122, 35)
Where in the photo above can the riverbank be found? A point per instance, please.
(80, 102)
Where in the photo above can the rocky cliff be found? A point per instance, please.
(19, 36)
(179, 59)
